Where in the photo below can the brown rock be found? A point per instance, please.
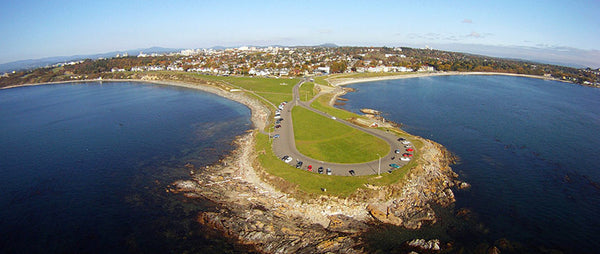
(345, 224)
(384, 217)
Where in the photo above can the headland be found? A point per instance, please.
(255, 207)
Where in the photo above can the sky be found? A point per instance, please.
(37, 29)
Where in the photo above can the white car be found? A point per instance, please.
(405, 142)
(404, 158)
(288, 160)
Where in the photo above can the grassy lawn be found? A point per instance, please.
(272, 89)
(272, 85)
(276, 98)
(307, 91)
(324, 139)
(322, 104)
(321, 80)
(312, 183)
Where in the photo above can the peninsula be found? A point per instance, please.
(277, 206)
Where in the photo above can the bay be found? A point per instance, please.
(528, 147)
(85, 166)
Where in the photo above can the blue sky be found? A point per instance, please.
(35, 29)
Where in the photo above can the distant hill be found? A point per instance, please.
(36, 63)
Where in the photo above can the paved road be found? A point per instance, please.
(285, 144)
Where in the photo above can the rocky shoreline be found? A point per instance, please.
(255, 214)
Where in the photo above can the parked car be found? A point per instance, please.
(278, 126)
(288, 160)
(407, 155)
(309, 168)
(299, 164)
(394, 165)
(276, 136)
(405, 142)
(401, 139)
(320, 170)
(284, 158)
(352, 172)
(405, 159)
(328, 171)
(409, 149)
(397, 151)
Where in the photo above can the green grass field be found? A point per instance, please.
(312, 183)
(322, 104)
(272, 85)
(276, 98)
(307, 91)
(323, 139)
(321, 80)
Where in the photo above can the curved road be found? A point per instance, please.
(286, 145)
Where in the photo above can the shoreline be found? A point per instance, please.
(346, 81)
(335, 224)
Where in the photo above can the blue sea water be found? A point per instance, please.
(84, 167)
(528, 147)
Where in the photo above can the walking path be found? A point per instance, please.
(286, 145)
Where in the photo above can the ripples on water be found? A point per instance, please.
(529, 148)
(84, 167)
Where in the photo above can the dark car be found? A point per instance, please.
(352, 172)
(397, 151)
(299, 164)
(284, 158)
(278, 126)
(401, 139)
(320, 170)
(328, 171)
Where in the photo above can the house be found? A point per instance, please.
(425, 68)
(324, 70)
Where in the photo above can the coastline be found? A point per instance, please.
(347, 81)
(325, 224)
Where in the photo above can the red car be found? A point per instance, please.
(407, 155)
(410, 150)
(309, 168)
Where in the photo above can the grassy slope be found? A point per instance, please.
(323, 139)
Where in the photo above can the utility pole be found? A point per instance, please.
(379, 169)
